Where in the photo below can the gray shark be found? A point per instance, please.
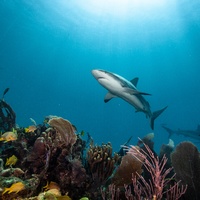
(118, 86)
(195, 134)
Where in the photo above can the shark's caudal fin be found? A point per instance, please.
(170, 131)
(155, 115)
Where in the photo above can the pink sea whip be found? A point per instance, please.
(155, 188)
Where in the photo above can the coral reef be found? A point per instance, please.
(186, 163)
(48, 155)
(52, 161)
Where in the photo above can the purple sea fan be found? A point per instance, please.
(157, 186)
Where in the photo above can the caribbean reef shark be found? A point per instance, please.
(195, 134)
(118, 86)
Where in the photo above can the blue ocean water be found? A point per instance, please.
(48, 49)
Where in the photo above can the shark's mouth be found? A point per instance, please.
(101, 77)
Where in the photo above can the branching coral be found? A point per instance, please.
(158, 185)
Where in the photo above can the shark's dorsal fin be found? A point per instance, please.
(108, 97)
(135, 81)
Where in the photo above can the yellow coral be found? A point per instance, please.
(15, 187)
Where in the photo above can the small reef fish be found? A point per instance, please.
(82, 133)
(8, 136)
(51, 185)
(15, 187)
(5, 91)
(11, 160)
(30, 129)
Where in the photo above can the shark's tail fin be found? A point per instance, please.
(155, 115)
(170, 131)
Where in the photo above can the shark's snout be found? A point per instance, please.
(97, 73)
(94, 73)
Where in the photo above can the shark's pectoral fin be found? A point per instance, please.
(108, 97)
(134, 92)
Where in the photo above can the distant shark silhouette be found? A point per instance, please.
(195, 134)
(118, 86)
